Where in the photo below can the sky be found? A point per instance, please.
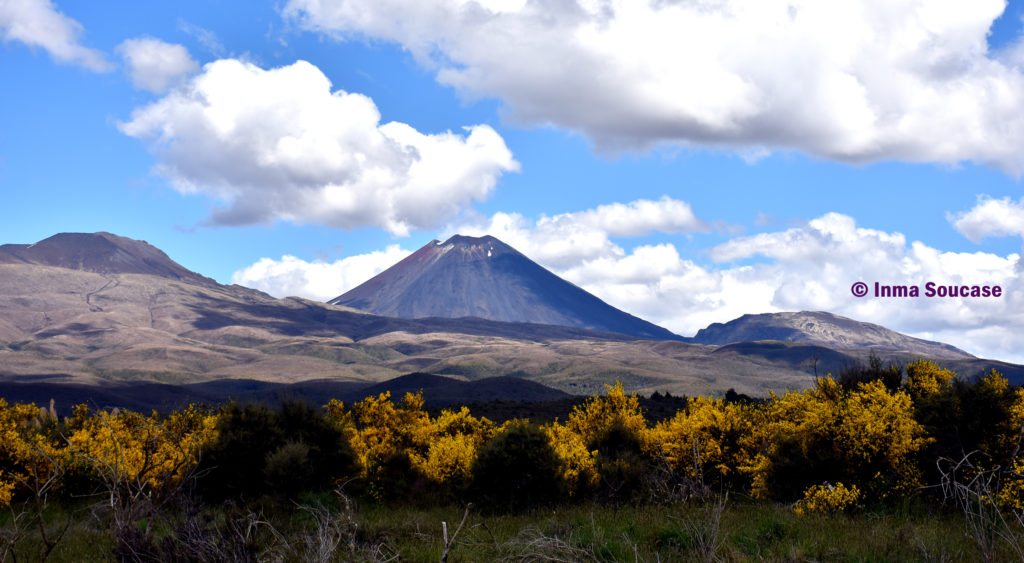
(688, 162)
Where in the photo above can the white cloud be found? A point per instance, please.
(567, 238)
(291, 276)
(278, 144)
(38, 23)
(206, 38)
(991, 218)
(853, 80)
(638, 217)
(154, 65)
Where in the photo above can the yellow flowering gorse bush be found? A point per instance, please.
(927, 379)
(149, 450)
(827, 499)
(587, 423)
(704, 435)
(869, 431)
(442, 448)
(30, 457)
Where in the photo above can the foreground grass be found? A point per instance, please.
(741, 532)
(589, 532)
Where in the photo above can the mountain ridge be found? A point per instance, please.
(824, 329)
(100, 253)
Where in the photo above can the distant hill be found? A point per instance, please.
(824, 329)
(437, 391)
(486, 278)
(101, 253)
(445, 390)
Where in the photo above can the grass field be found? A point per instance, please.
(740, 532)
(737, 531)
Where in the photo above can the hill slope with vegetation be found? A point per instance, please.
(878, 438)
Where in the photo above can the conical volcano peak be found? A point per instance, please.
(483, 277)
(466, 240)
(475, 247)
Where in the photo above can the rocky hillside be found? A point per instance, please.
(824, 329)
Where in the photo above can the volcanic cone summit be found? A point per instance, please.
(484, 277)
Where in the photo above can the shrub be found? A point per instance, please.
(925, 379)
(890, 374)
(517, 469)
(867, 437)
(577, 465)
(703, 441)
(828, 499)
(287, 469)
(986, 419)
(589, 425)
(620, 462)
(289, 451)
(233, 465)
(395, 478)
(438, 449)
(595, 417)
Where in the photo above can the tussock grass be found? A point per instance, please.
(745, 532)
(739, 530)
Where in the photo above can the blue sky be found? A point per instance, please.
(746, 159)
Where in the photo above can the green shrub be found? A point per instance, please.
(261, 451)
(288, 468)
(517, 469)
(621, 464)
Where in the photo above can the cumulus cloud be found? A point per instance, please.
(638, 217)
(279, 144)
(852, 80)
(38, 23)
(991, 218)
(567, 238)
(154, 65)
(291, 276)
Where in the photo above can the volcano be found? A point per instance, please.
(100, 253)
(486, 278)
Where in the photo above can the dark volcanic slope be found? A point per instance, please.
(101, 253)
(824, 329)
(484, 277)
